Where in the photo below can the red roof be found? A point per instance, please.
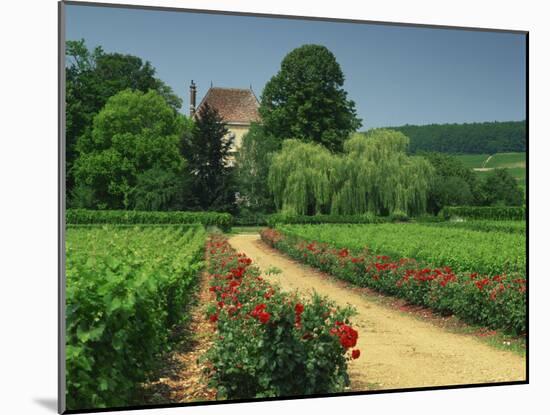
(235, 105)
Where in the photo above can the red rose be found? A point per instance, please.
(213, 318)
(264, 317)
(355, 354)
(299, 308)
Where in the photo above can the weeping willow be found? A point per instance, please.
(299, 178)
(373, 175)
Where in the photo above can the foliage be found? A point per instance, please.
(374, 175)
(126, 287)
(133, 133)
(469, 138)
(494, 253)
(306, 100)
(253, 160)
(159, 189)
(92, 77)
(485, 212)
(501, 189)
(495, 301)
(300, 178)
(448, 191)
(131, 217)
(208, 151)
(507, 226)
(280, 218)
(270, 343)
(453, 183)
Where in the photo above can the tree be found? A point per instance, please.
(92, 77)
(501, 189)
(134, 135)
(208, 151)
(448, 191)
(306, 100)
(159, 189)
(252, 168)
(299, 178)
(374, 174)
(467, 138)
(453, 183)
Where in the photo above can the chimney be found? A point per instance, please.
(192, 98)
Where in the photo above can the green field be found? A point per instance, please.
(473, 161)
(515, 163)
(463, 250)
(508, 226)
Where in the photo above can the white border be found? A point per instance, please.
(28, 175)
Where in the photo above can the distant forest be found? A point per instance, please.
(472, 138)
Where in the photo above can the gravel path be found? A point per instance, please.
(397, 351)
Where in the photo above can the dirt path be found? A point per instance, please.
(487, 161)
(397, 351)
(181, 378)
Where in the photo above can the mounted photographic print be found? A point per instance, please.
(261, 207)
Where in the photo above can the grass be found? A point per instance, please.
(235, 230)
(472, 161)
(507, 160)
(515, 163)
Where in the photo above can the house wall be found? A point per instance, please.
(239, 131)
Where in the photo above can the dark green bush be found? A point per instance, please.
(485, 212)
(128, 217)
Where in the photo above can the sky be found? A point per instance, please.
(396, 75)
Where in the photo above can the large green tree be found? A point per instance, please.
(208, 150)
(134, 140)
(92, 77)
(252, 168)
(374, 174)
(306, 99)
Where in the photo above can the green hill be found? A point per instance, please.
(470, 138)
(482, 164)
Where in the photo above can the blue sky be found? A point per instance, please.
(396, 75)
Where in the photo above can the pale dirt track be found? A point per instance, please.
(397, 351)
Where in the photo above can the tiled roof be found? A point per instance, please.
(235, 105)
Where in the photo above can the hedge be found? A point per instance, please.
(127, 217)
(280, 219)
(485, 212)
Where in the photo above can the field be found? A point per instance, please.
(482, 164)
(126, 287)
(509, 226)
(477, 275)
(494, 252)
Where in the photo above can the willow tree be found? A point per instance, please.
(376, 175)
(300, 178)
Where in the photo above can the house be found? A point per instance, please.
(238, 108)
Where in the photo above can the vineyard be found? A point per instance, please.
(429, 265)
(439, 246)
(126, 287)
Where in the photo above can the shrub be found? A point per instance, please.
(127, 217)
(485, 212)
(271, 343)
(399, 216)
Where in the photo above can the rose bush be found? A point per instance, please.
(268, 342)
(497, 301)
